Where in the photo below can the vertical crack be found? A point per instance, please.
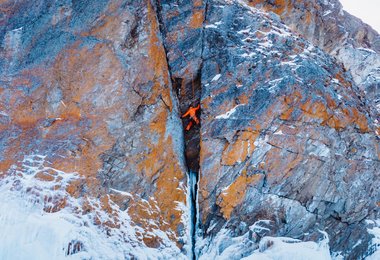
(188, 89)
(189, 95)
(186, 98)
(194, 210)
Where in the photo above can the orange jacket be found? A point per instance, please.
(192, 112)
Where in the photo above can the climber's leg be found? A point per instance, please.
(189, 125)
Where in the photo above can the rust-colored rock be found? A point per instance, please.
(88, 87)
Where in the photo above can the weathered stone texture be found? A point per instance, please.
(286, 135)
(87, 84)
(344, 36)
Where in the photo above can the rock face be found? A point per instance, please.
(286, 137)
(340, 34)
(86, 84)
(182, 28)
(91, 98)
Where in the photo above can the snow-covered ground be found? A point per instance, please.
(223, 246)
(249, 247)
(32, 229)
(285, 248)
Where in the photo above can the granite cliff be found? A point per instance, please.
(95, 162)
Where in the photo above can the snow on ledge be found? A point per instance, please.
(229, 113)
(217, 76)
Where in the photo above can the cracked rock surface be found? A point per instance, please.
(86, 84)
(342, 35)
(288, 144)
(286, 136)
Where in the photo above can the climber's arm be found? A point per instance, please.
(187, 113)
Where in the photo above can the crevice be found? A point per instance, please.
(163, 101)
(188, 94)
(187, 89)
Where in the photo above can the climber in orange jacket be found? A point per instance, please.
(192, 112)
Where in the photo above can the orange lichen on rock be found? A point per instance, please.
(344, 117)
(54, 206)
(234, 194)
(78, 108)
(197, 18)
(308, 17)
(148, 215)
(159, 161)
(45, 176)
(330, 102)
(360, 120)
(157, 56)
(98, 67)
(290, 102)
(287, 114)
(342, 79)
(276, 6)
(242, 148)
(153, 162)
(108, 217)
(11, 155)
(74, 188)
(198, 3)
(327, 111)
(316, 110)
(26, 117)
(110, 25)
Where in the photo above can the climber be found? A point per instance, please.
(192, 112)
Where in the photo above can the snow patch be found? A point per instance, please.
(367, 50)
(327, 12)
(245, 55)
(229, 113)
(211, 26)
(279, 133)
(375, 231)
(216, 77)
(244, 31)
